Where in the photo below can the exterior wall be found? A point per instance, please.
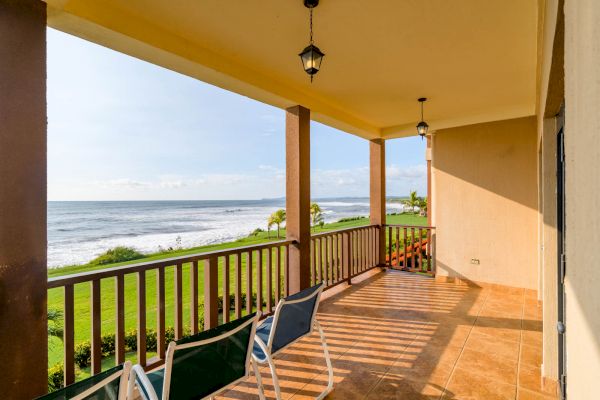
(548, 255)
(485, 202)
(582, 146)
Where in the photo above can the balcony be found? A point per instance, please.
(396, 335)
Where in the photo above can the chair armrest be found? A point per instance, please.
(138, 375)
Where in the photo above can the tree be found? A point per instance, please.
(278, 218)
(412, 201)
(270, 223)
(423, 206)
(316, 215)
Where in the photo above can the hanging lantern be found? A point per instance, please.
(422, 126)
(311, 56)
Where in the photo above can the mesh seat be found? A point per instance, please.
(107, 385)
(294, 318)
(203, 364)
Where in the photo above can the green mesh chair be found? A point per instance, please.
(202, 365)
(294, 318)
(107, 385)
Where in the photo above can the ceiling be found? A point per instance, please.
(475, 60)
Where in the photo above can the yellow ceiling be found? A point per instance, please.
(474, 59)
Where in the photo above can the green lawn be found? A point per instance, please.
(82, 291)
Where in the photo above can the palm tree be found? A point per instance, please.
(412, 201)
(423, 206)
(278, 218)
(270, 223)
(316, 214)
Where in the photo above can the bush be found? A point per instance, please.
(107, 346)
(83, 354)
(256, 232)
(56, 377)
(350, 219)
(118, 254)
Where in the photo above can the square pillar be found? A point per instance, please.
(297, 152)
(428, 155)
(377, 192)
(23, 275)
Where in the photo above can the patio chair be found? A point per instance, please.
(202, 365)
(294, 318)
(107, 385)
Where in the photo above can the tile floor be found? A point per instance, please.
(397, 335)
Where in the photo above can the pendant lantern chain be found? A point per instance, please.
(311, 25)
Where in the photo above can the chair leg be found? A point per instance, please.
(261, 389)
(274, 377)
(328, 361)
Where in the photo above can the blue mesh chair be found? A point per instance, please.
(202, 365)
(107, 385)
(294, 318)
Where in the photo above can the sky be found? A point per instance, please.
(123, 129)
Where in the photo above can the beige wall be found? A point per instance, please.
(548, 254)
(582, 145)
(485, 202)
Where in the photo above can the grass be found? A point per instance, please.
(82, 291)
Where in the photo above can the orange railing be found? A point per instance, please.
(411, 248)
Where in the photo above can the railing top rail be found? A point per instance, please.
(89, 276)
(410, 226)
(338, 231)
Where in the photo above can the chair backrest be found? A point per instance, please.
(294, 317)
(203, 364)
(107, 385)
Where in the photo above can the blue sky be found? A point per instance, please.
(123, 129)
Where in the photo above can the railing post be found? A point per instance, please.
(346, 252)
(211, 292)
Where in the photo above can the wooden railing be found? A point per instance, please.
(411, 248)
(259, 273)
(338, 256)
(269, 283)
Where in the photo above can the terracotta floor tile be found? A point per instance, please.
(530, 378)
(397, 387)
(531, 355)
(465, 385)
(494, 346)
(524, 394)
(494, 367)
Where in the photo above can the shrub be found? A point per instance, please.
(118, 254)
(56, 377)
(83, 354)
(350, 219)
(107, 346)
(256, 232)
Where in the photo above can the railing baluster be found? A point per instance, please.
(398, 249)
(420, 249)
(330, 259)
(69, 336)
(389, 249)
(194, 296)
(96, 325)
(120, 319)
(325, 262)
(269, 278)
(141, 318)
(318, 262)
(277, 274)
(412, 247)
(259, 280)
(211, 292)
(286, 270)
(226, 299)
(249, 282)
(405, 260)
(313, 273)
(429, 269)
(161, 339)
(178, 302)
(238, 285)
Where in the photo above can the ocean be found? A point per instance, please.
(78, 231)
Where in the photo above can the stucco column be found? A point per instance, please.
(377, 191)
(23, 333)
(297, 144)
(428, 155)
